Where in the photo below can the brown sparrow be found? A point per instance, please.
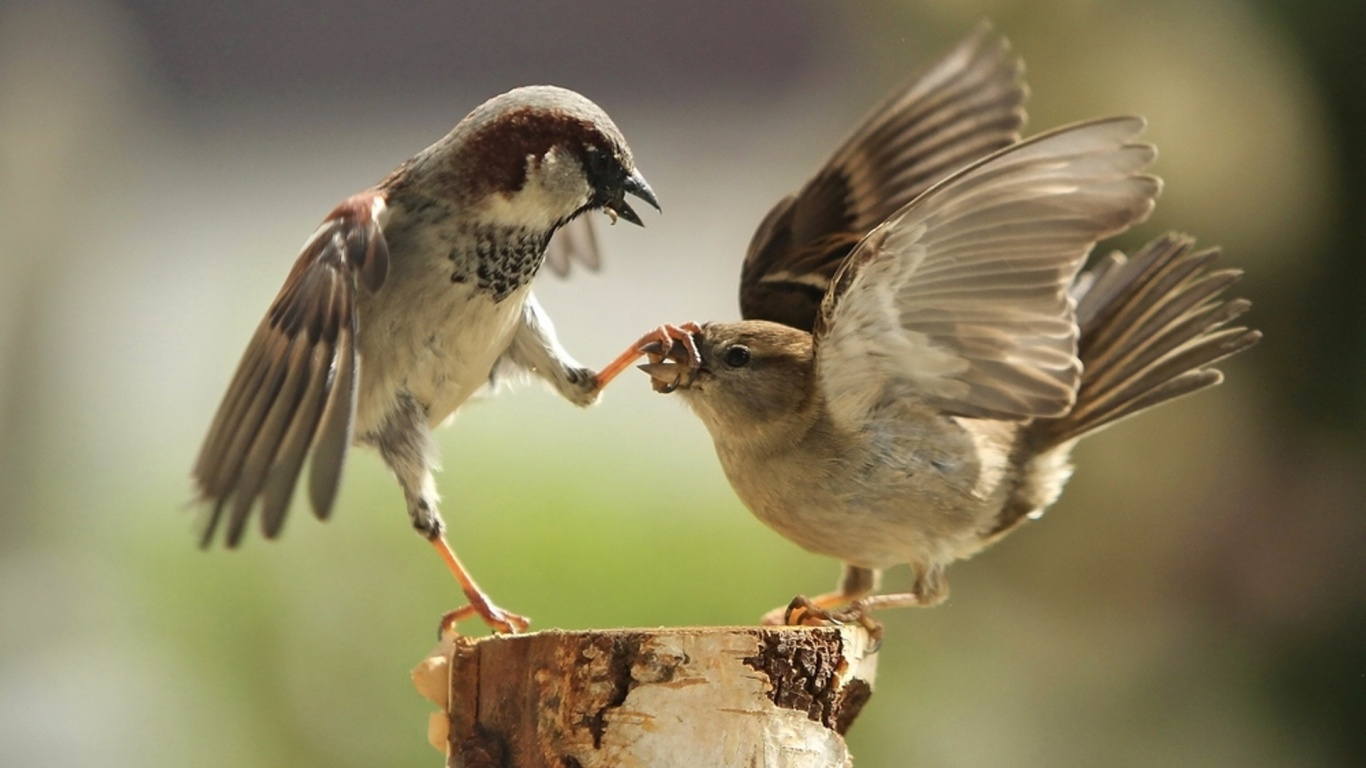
(405, 302)
(907, 385)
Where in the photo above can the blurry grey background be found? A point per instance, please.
(1196, 598)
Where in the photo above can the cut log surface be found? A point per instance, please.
(698, 697)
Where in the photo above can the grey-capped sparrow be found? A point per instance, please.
(908, 389)
(404, 303)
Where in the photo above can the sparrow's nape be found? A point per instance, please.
(480, 605)
(674, 341)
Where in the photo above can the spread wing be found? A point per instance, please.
(961, 299)
(576, 241)
(961, 108)
(294, 393)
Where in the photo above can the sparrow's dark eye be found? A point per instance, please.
(737, 356)
(597, 164)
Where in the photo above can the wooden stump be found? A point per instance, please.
(696, 697)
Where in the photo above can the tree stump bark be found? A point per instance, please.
(696, 697)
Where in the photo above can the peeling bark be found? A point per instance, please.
(781, 696)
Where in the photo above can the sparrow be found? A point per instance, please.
(906, 386)
(408, 299)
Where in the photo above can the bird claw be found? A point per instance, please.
(497, 619)
(673, 354)
(804, 612)
(657, 344)
(506, 622)
(681, 344)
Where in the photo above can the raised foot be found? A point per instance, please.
(673, 354)
(674, 341)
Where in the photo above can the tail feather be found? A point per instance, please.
(1162, 323)
(1174, 367)
(1151, 326)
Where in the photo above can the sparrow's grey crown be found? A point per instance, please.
(547, 114)
(496, 146)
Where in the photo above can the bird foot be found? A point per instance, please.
(664, 341)
(480, 605)
(805, 612)
(673, 354)
(497, 619)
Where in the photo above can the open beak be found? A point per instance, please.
(667, 376)
(636, 185)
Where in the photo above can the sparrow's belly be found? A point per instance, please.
(440, 355)
(875, 507)
(872, 527)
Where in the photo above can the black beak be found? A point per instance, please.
(636, 185)
(667, 376)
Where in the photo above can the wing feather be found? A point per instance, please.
(962, 297)
(962, 107)
(278, 486)
(294, 391)
(335, 433)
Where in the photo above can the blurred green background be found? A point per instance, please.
(1196, 598)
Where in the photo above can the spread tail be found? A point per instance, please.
(1151, 326)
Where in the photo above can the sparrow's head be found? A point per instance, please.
(537, 157)
(747, 375)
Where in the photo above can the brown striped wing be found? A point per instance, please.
(959, 109)
(294, 394)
